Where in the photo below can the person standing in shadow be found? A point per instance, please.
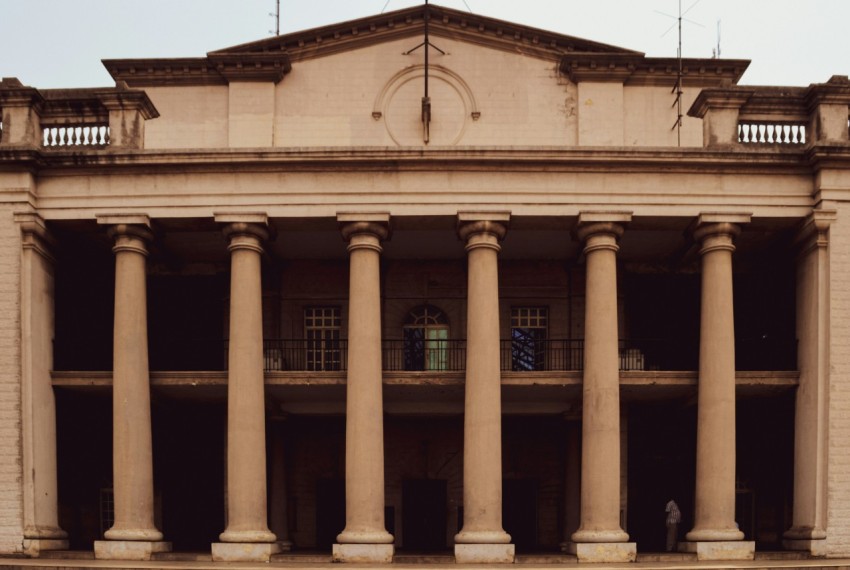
(674, 517)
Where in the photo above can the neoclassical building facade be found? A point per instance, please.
(345, 294)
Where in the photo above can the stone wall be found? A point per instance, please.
(11, 513)
(838, 477)
(372, 97)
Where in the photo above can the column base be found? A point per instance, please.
(721, 549)
(603, 551)
(34, 546)
(815, 547)
(244, 551)
(370, 553)
(129, 549)
(484, 553)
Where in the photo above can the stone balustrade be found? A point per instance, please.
(76, 135)
(761, 133)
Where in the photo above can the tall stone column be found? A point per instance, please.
(482, 538)
(365, 538)
(808, 530)
(715, 535)
(278, 497)
(38, 406)
(247, 536)
(600, 537)
(134, 535)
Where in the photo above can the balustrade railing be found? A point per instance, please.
(438, 355)
(770, 133)
(75, 135)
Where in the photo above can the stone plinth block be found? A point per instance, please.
(721, 549)
(814, 547)
(603, 551)
(244, 551)
(129, 549)
(34, 546)
(484, 553)
(371, 553)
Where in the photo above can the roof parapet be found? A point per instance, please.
(97, 117)
(819, 112)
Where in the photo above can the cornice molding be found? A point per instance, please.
(215, 69)
(589, 159)
(636, 69)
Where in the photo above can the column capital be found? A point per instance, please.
(601, 230)
(130, 232)
(494, 224)
(245, 230)
(813, 232)
(373, 227)
(34, 234)
(718, 230)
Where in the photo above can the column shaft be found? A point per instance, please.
(808, 530)
(714, 518)
(365, 538)
(246, 429)
(482, 422)
(482, 445)
(41, 518)
(600, 459)
(132, 453)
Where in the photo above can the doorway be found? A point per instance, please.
(519, 512)
(425, 504)
(330, 511)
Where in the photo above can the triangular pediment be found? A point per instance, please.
(409, 22)
(270, 59)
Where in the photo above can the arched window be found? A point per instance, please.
(425, 334)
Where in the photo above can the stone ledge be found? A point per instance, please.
(35, 546)
(813, 547)
(594, 552)
(129, 549)
(244, 551)
(485, 553)
(721, 549)
(369, 553)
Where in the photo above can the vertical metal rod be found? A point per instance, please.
(427, 19)
(426, 100)
(277, 19)
(679, 84)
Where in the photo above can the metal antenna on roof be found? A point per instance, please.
(276, 16)
(718, 39)
(426, 99)
(677, 89)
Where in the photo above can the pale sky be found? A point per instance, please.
(59, 43)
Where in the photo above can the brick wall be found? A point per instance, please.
(11, 532)
(838, 498)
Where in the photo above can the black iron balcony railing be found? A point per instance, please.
(524, 355)
(438, 355)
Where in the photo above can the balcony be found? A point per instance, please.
(556, 355)
(445, 355)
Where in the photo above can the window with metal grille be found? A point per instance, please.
(321, 333)
(529, 328)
